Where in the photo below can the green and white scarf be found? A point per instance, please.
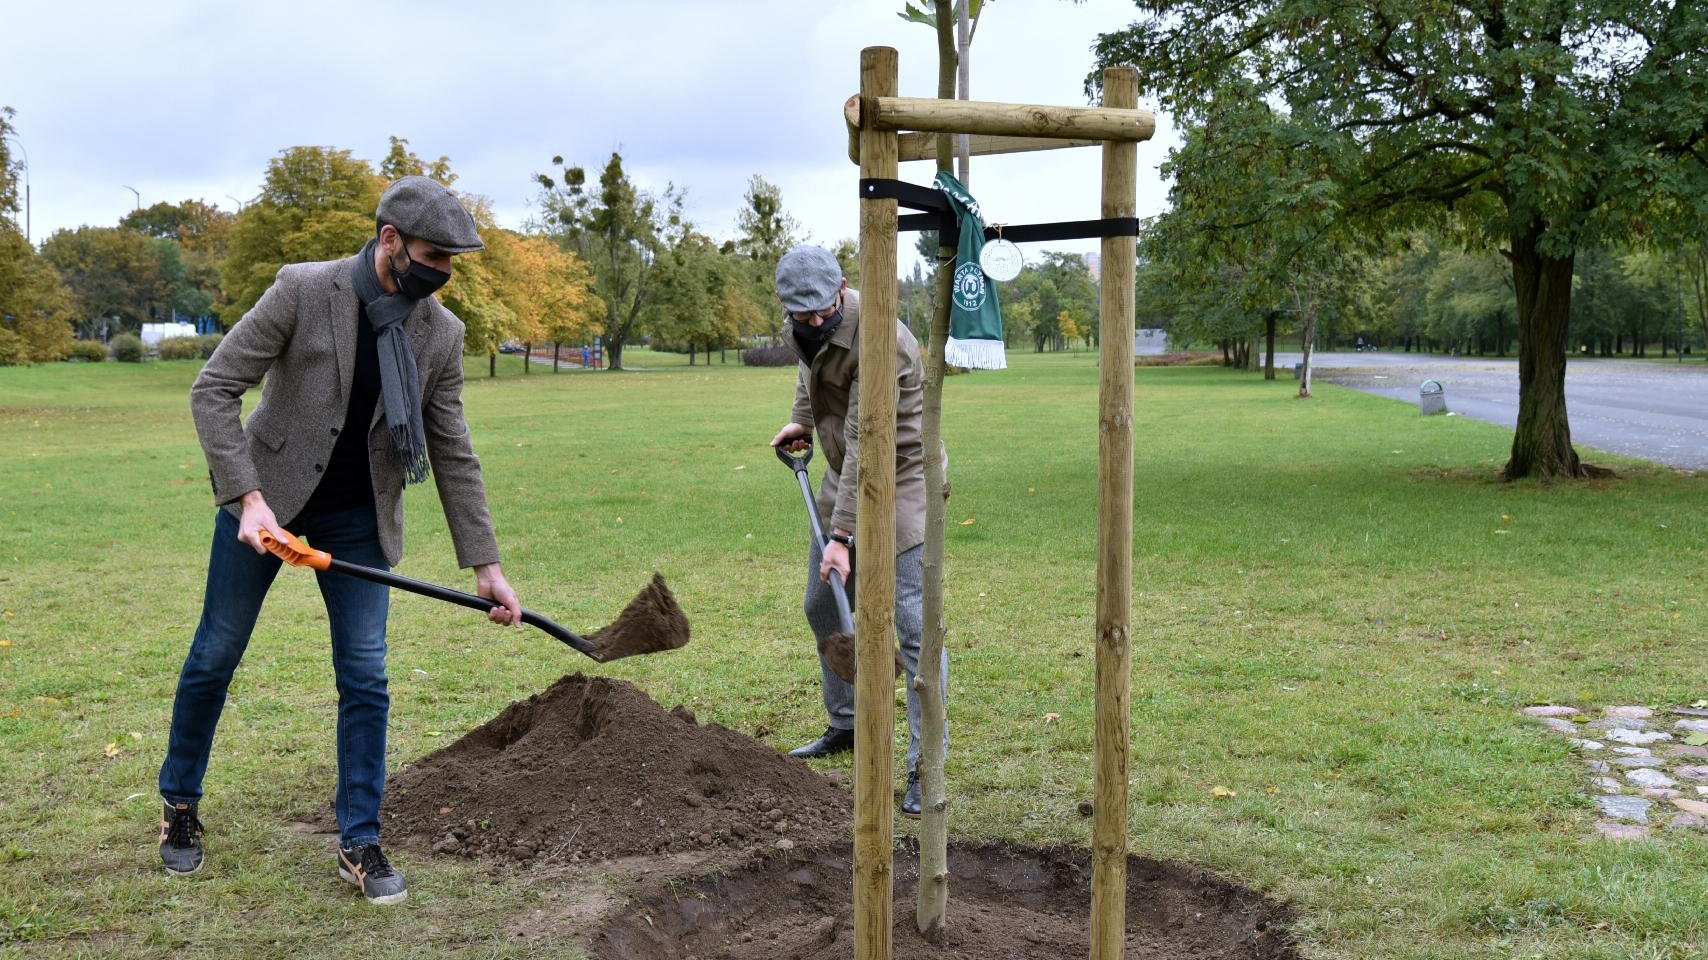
(975, 314)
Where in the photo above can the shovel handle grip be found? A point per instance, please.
(294, 551)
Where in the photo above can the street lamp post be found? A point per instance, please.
(134, 191)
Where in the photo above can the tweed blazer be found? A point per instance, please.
(827, 399)
(301, 336)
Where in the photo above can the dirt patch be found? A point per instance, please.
(593, 770)
(1009, 902)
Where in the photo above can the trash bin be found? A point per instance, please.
(1431, 398)
(1298, 371)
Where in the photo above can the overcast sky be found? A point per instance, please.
(181, 99)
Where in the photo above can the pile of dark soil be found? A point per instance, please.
(1009, 902)
(592, 770)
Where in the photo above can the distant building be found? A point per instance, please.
(1150, 343)
(1094, 263)
(153, 333)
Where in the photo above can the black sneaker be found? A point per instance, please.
(180, 839)
(910, 799)
(367, 868)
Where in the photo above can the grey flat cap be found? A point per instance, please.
(426, 210)
(808, 279)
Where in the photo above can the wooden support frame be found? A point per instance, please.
(876, 118)
(875, 535)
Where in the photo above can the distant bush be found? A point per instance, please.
(128, 348)
(179, 348)
(90, 351)
(209, 341)
(771, 355)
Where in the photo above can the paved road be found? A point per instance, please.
(1652, 410)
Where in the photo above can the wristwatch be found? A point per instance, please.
(846, 540)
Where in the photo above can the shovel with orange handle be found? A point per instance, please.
(652, 622)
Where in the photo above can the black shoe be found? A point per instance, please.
(833, 741)
(180, 839)
(367, 868)
(910, 798)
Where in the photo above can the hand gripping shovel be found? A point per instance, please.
(651, 623)
(837, 650)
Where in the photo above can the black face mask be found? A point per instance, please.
(419, 281)
(823, 332)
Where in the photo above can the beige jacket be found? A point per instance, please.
(827, 399)
(302, 337)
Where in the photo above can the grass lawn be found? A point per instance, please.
(1338, 611)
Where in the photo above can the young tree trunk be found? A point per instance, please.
(1542, 441)
(527, 357)
(492, 362)
(1307, 342)
(1269, 346)
(557, 348)
(931, 911)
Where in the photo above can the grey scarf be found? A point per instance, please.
(400, 384)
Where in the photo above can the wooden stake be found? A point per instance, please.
(1016, 119)
(874, 531)
(1114, 537)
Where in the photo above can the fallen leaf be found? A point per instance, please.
(1221, 792)
(1271, 790)
(112, 750)
(135, 736)
(47, 699)
(742, 467)
(1698, 705)
(1697, 739)
(435, 733)
(446, 809)
(968, 522)
(1503, 531)
(5, 643)
(1052, 717)
(14, 714)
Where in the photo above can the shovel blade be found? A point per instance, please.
(837, 652)
(651, 623)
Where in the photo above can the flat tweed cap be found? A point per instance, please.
(426, 210)
(808, 279)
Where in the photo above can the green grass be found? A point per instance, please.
(1337, 611)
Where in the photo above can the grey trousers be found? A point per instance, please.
(910, 621)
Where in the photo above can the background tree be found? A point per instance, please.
(1544, 125)
(119, 279)
(619, 231)
(546, 287)
(200, 234)
(316, 203)
(764, 231)
(10, 167)
(35, 306)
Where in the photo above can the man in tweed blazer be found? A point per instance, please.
(362, 393)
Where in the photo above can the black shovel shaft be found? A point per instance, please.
(837, 590)
(469, 600)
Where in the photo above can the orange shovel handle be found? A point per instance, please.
(295, 552)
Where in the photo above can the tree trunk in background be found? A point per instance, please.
(1269, 347)
(492, 363)
(1542, 441)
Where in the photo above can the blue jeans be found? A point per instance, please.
(238, 580)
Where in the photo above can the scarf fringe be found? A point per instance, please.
(975, 354)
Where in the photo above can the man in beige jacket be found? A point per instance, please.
(822, 328)
(362, 397)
